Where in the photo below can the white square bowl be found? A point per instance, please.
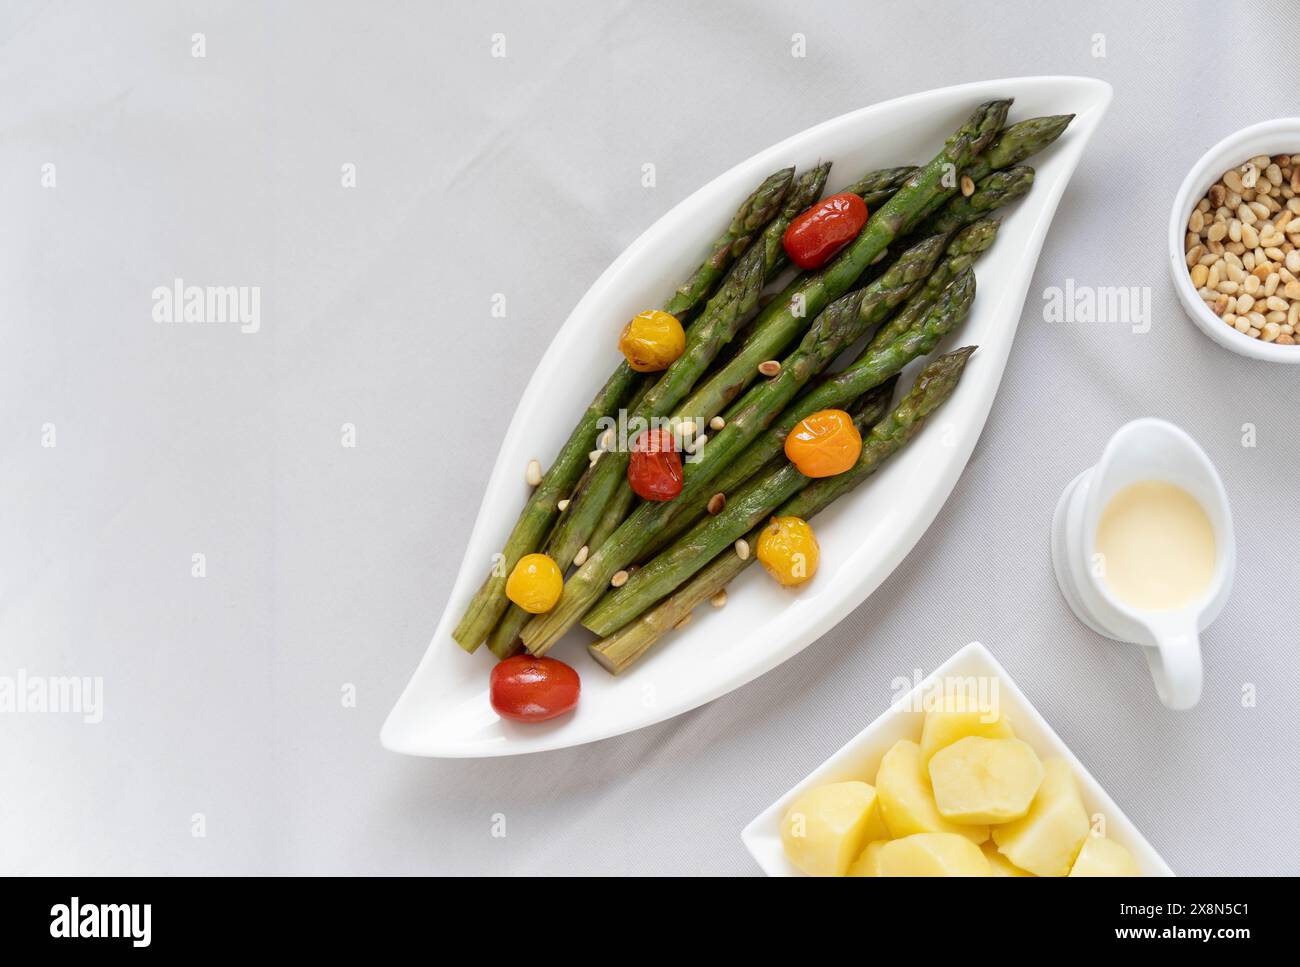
(861, 756)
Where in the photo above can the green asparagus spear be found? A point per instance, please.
(966, 246)
(998, 189)
(778, 324)
(539, 512)
(877, 187)
(1016, 143)
(758, 209)
(935, 384)
(835, 329)
(750, 505)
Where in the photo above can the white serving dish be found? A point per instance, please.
(1280, 136)
(860, 758)
(444, 709)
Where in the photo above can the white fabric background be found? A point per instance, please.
(521, 175)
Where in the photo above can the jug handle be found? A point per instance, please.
(1175, 662)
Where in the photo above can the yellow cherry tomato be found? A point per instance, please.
(788, 550)
(535, 583)
(824, 444)
(652, 340)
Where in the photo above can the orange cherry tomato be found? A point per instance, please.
(654, 469)
(824, 229)
(530, 689)
(824, 444)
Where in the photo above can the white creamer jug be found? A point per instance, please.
(1145, 450)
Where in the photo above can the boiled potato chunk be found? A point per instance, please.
(907, 801)
(955, 716)
(1047, 839)
(999, 865)
(1104, 857)
(868, 864)
(932, 854)
(978, 780)
(825, 828)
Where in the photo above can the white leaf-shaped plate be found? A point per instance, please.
(444, 709)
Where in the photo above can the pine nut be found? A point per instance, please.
(716, 503)
(717, 423)
(742, 549)
(619, 579)
(533, 474)
(967, 186)
(580, 558)
(563, 505)
(772, 367)
(719, 599)
(685, 621)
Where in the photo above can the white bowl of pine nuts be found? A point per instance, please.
(1234, 242)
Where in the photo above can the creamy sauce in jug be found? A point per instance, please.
(1157, 546)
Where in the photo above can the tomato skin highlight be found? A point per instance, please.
(526, 688)
(824, 229)
(824, 444)
(654, 470)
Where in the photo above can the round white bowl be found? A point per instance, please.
(1280, 136)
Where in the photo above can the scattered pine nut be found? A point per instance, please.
(717, 502)
(769, 368)
(580, 558)
(619, 579)
(967, 186)
(719, 599)
(742, 549)
(593, 456)
(534, 473)
(717, 423)
(685, 621)
(563, 505)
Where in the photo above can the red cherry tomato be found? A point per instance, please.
(824, 229)
(655, 467)
(529, 689)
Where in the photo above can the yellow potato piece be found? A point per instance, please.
(825, 828)
(955, 716)
(999, 865)
(1047, 839)
(906, 800)
(977, 780)
(932, 854)
(868, 864)
(1104, 857)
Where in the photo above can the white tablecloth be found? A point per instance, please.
(228, 742)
